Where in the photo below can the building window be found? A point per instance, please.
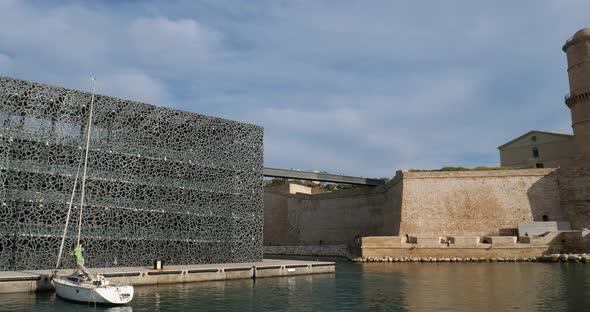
(540, 165)
(535, 152)
(545, 218)
(534, 138)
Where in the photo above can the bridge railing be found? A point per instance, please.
(322, 177)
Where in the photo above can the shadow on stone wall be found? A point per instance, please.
(392, 205)
(508, 232)
(574, 193)
(543, 198)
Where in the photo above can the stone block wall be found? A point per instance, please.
(340, 250)
(501, 240)
(382, 241)
(464, 240)
(330, 218)
(574, 191)
(474, 203)
(420, 204)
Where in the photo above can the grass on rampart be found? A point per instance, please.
(480, 168)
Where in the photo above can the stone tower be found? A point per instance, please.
(578, 100)
(574, 181)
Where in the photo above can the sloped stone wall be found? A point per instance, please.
(421, 204)
(328, 218)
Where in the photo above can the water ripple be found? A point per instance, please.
(363, 287)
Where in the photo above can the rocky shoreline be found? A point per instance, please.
(576, 258)
(342, 251)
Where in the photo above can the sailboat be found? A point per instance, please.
(81, 285)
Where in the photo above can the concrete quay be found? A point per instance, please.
(465, 247)
(39, 280)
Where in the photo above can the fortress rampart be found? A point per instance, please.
(326, 218)
(474, 203)
(420, 204)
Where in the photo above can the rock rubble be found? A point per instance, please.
(576, 258)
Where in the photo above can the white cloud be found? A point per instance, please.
(73, 36)
(310, 121)
(363, 86)
(181, 42)
(70, 34)
(134, 85)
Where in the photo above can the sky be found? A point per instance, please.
(350, 87)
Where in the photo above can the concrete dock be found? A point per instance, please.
(39, 280)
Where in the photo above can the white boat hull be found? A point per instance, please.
(88, 293)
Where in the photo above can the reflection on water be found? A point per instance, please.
(363, 287)
(48, 301)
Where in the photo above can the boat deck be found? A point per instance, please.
(38, 280)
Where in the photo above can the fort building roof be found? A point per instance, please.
(582, 33)
(579, 35)
(534, 132)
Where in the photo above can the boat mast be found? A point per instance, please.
(85, 161)
(63, 237)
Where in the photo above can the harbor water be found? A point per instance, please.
(362, 287)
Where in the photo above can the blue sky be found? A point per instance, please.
(354, 87)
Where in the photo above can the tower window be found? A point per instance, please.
(535, 152)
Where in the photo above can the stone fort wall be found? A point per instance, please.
(473, 203)
(574, 190)
(469, 203)
(327, 218)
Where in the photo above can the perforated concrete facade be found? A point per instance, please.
(162, 183)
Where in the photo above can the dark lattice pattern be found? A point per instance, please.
(162, 183)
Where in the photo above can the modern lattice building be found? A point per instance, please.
(162, 183)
